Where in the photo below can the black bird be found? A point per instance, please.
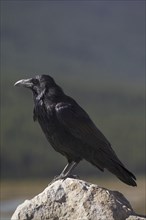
(70, 131)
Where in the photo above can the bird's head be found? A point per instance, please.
(40, 85)
(37, 84)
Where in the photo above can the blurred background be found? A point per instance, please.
(95, 50)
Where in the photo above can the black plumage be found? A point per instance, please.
(70, 130)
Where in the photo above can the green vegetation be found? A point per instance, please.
(117, 110)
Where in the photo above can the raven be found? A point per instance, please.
(70, 131)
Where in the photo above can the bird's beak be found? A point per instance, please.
(25, 83)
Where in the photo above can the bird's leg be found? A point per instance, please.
(67, 170)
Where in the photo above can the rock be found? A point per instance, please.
(74, 199)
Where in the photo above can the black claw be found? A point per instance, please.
(63, 177)
(73, 176)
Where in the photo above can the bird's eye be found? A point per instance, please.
(35, 81)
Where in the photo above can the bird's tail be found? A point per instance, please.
(123, 174)
(115, 166)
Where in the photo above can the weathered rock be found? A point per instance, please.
(74, 199)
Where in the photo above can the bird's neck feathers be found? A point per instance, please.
(54, 93)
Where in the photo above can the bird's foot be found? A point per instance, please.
(63, 177)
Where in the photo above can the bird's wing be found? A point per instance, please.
(77, 121)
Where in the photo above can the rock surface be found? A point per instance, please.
(74, 199)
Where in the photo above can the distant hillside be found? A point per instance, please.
(117, 111)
